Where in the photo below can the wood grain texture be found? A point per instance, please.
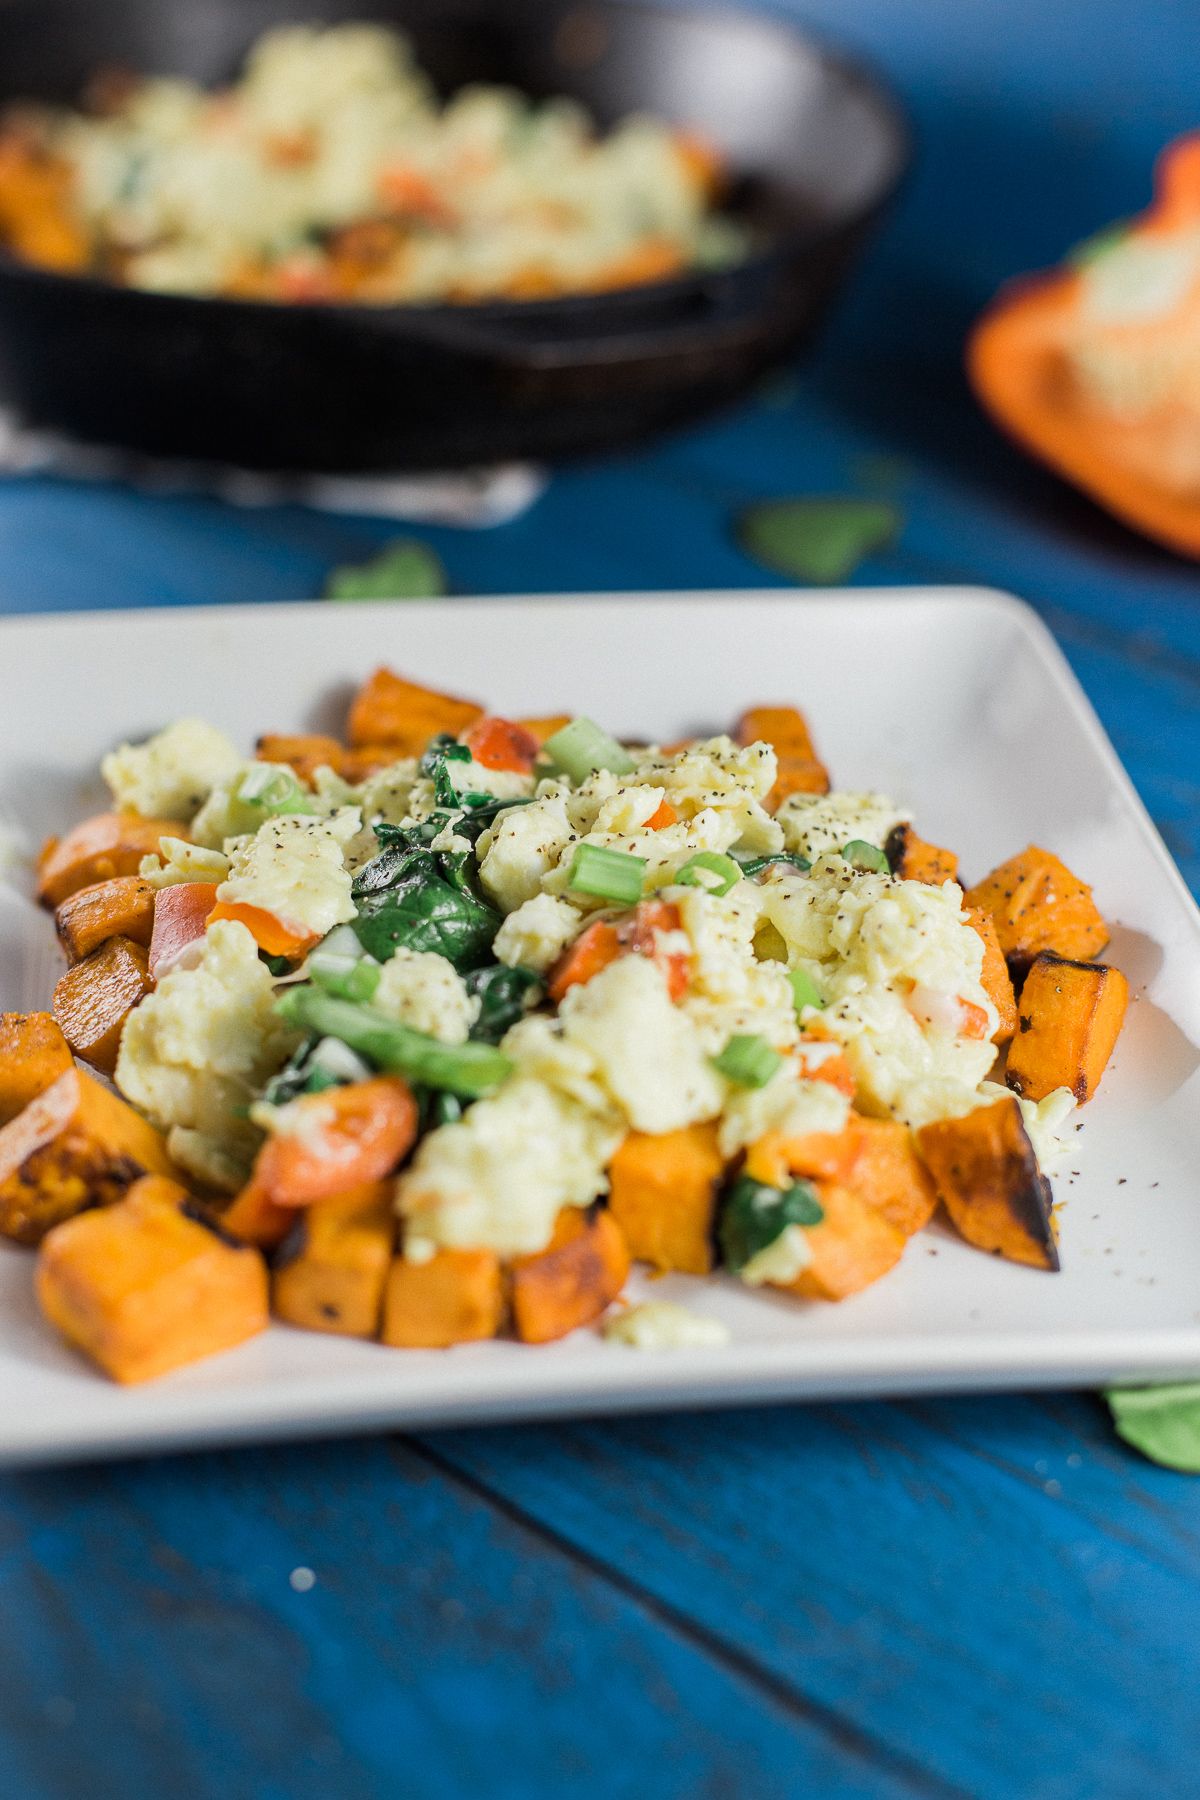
(153, 1644)
(963, 1579)
(972, 1597)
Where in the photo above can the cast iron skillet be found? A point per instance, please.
(818, 148)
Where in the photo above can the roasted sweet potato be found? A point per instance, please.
(99, 849)
(663, 1195)
(330, 1270)
(123, 907)
(390, 710)
(987, 1177)
(254, 1218)
(33, 1053)
(542, 729)
(1070, 1018)
(800, 769)
(995, 976)
(150, 1284)
(454, 1298)
(570, 1282)
(74, 1145)
(304, 753)
(854, 1245)
(95, 997)
(912, 859)
(889, 1175)
(1037, 904)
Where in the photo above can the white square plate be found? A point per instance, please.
(956, 702)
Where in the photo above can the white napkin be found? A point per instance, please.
(469, 497)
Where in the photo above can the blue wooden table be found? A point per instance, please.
(969, 1597)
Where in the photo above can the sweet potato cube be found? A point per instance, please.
(33, 1053)
(995, 976)
(390, 710)
(304, 753)
(1071, 1017)
(366, 760)
(1037, 904)
(95, 997)
(545, 728)
(912, 859)
(329, 1272)
(150, 1284)
(889, 1175)
(854, 1245)
(800, 769)
(570, 1282)
(97, 850)
(454, 1298)
(254, 1218)
(987, 1177)
(663, 1195)
(123, 907)
(75, 1145)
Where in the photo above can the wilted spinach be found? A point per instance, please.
(754, 1214)
(420, 899)
(505, 996)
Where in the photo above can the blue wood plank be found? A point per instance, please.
(994, 1586)
(153, 1644)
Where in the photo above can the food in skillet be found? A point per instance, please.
(426, 1036)
(331, 170)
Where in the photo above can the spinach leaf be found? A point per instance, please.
(818, 540)
(405, 569)
(423, 901)
(441, 752)
(505, 996)
(755, 1214)
(299, 1075)
(1162, 1422)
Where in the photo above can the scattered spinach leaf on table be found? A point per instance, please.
(405, 569)
(1162, 1422)
(817, 540)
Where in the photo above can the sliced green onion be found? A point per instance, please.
(275, 790)
(581, 748)
(697, 869)
(866, 856)
(345, 980)
(469, 1069)
(805, 991)
(754, 865)
(749, 1061)
(614, 875)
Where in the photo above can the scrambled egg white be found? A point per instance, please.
(421, 989)
(500, 1176)
(665, 1325)
(867, 940)
(812, 824)
(196, 1049)
(294, 867)
(179, 861)
(171, 775)
(537, 933)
